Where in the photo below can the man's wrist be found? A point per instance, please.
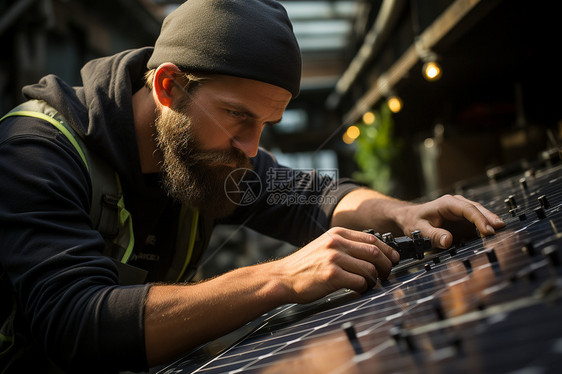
(365, 209)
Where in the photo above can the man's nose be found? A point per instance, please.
(248, 141)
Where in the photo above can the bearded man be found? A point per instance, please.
(173, 122)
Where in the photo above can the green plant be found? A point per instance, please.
(376, 151)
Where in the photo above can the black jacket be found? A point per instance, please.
(67, 292)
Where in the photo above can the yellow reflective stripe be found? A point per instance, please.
(125, 218)
(9, 322)
(192, 236)
(6, 338)
(55, 123)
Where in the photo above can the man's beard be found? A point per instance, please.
(194, 176)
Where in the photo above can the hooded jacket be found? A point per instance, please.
(69, 300)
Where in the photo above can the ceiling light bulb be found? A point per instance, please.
(431, 71)
(353, 132)
(346, 139)
(395, 104)
(369, 118)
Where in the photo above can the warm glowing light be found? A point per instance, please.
(369, 118)
(346, 139)
(395, 104)
(431, 71)
(353, 132)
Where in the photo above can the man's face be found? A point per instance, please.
(210, 133)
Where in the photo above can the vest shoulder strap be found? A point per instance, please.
(107, 211)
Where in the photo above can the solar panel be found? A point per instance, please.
(485, 305)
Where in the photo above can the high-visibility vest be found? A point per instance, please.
(108, 213)
(110, 218)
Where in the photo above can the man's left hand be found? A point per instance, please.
(434, 218)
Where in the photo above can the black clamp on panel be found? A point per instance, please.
(413, 247)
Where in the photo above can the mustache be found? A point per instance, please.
(214, 158)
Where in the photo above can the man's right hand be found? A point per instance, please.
(340, 258)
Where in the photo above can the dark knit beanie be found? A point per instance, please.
(251, 39)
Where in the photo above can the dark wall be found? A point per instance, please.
(40, 37)
(497, 101)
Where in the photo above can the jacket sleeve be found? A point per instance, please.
(289, 204)
(67, 290)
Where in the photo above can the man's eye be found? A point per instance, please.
(236, 114)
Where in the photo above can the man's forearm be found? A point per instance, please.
(368, 209)
(181, 317)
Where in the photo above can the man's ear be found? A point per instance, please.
(164, 82)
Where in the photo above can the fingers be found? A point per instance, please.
(459, 207)
(440, 238)
(362, 237)
(370, 258)
(363, 254)
(359, 273)
(455, 209)
(493, 219)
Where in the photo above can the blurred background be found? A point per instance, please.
(415, 98)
